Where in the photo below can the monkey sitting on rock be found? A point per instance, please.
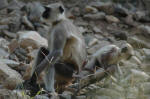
(109, 55)
(66, 52)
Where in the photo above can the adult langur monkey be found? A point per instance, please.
(66, 52)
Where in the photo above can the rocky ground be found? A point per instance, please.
(22, 32)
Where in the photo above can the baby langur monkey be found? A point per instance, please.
(110, 55)
(66, 52)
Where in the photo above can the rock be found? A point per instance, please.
(3, 4)
(97, 16)
(8, 94)
(80, 97)
(135, 60)
(4, 43)
(112, 19)
(15, 23)
(144, 31)
(75, 11)
(102, 97)
(139, 14)
(129, 21)
(4, 27)
(31, 38)
(10, 34)
(146, 51)
(97, 30)
(40, 97)
(44, 30)
(145, 86)
(132, 93)
(3, 53)
(27, 23)
(89, 9)
(93, 42)
(109, 92)
(5, 21)
(34, 11)
(13, 45)
(139, 42)
(10, 63)
(120, 10)
(107, 7)
(120, 35)
(9, 78)
(139, 75)
(15, 5)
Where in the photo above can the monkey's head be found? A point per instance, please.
(126, 51)
(54, 12)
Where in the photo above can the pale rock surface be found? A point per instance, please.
(31, 38)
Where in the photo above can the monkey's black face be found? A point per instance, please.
(53, 12)
(46, 13)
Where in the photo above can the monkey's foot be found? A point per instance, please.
(52, 94)
(49, 93)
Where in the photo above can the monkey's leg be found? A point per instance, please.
(42, 53)
(49, 78)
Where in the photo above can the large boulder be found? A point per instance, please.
(9, 78)
(31, 38)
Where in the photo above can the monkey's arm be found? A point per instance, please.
(59, 40)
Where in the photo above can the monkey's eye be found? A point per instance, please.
(61, 9)
(46, 13)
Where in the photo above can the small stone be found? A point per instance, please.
(107, 7)
(10, 34)
(81, 97)
(13, 45)
(10, 63)
(120, 35)
(146, 51)
(4, 27)
(93, 42)
(4, 43)
(40, 97)
(9, 94)
(3, 4)
(144, 30)
(3, 53)
(97, 16)
(112, 19)
(97, 30)
(89, 9)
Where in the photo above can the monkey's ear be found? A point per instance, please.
(124, 50)
(46, 13)
(61, 9)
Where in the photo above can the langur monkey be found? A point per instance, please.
(66, 52)
(109, 55)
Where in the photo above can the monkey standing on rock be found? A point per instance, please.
(66, 50)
